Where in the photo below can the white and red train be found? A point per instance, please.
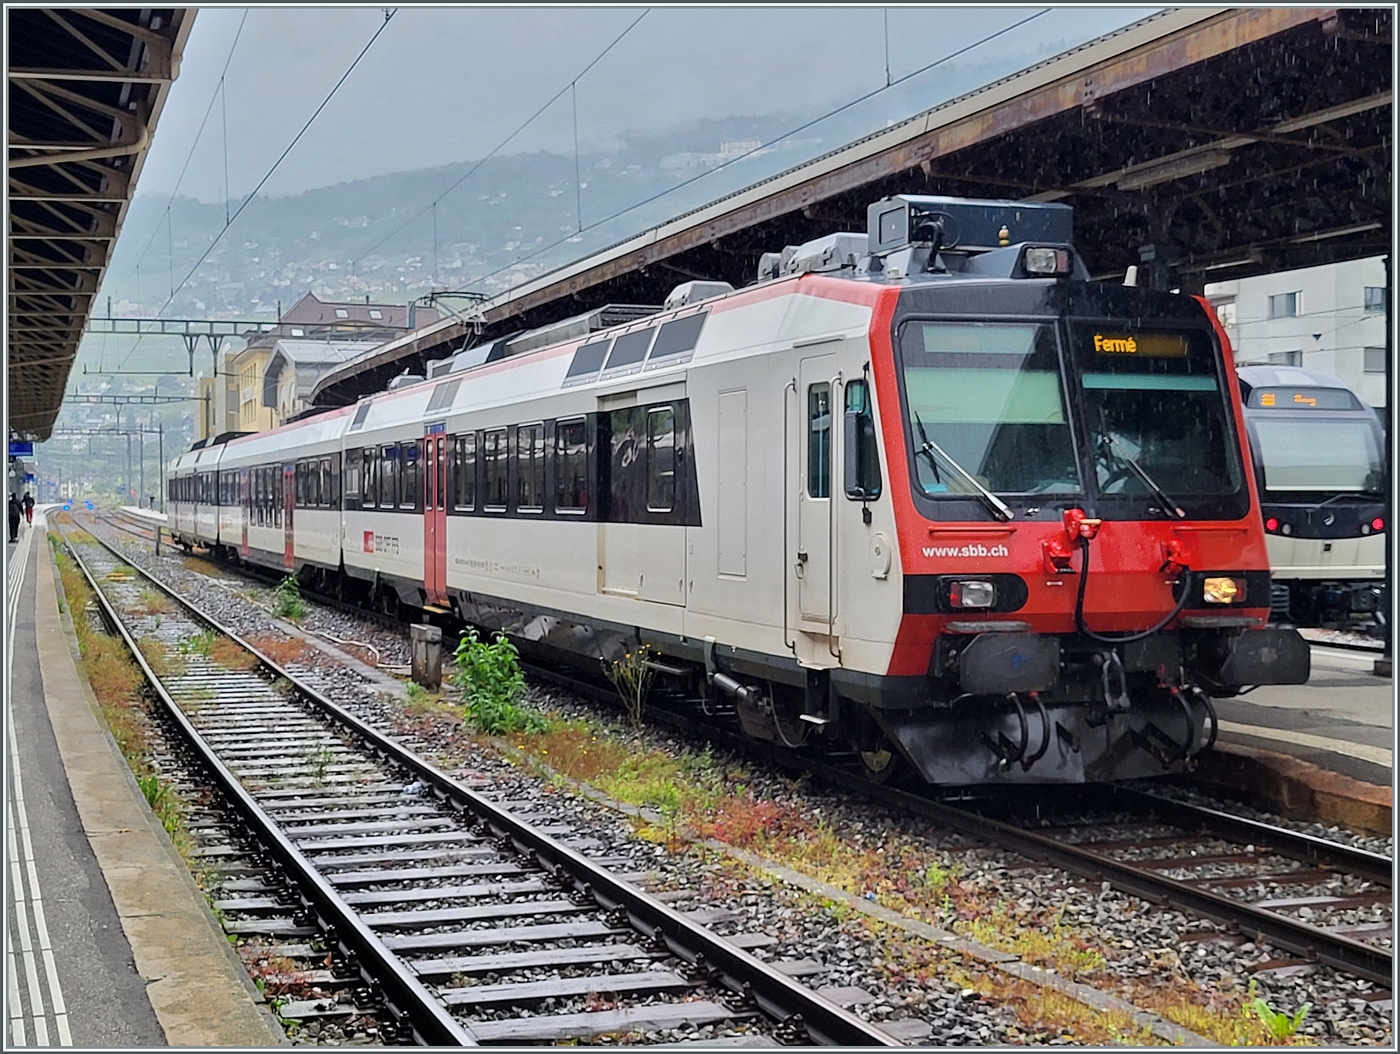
(927, 494)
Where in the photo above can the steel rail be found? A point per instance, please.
(777, 995)
(1306, 847)
(432, 1023)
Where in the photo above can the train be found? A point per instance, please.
(1319, 466)
(922, 497)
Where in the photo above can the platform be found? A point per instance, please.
(108, 940)
(1322, 748)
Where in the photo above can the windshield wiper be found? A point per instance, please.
(1168, 505)
(999, 508)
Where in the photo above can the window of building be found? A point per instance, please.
(388, 477)
(1374, 298)
(340, 312)
(1285, 305)
(1374, 360)
(408, 478)
(819, 440)
(570, 466)
(1286, 358)
(529, 467)
(1227, 312)
(661, 459)
(464, 471)
(494, 469)
(374, 312)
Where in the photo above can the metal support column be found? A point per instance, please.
(1383, 665)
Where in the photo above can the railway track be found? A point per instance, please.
(461, 918)
(1256, 879)
(1197, 860)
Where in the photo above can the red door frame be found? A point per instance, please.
(289, 501)
(435, 518)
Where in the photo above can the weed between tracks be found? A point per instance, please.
(118, 684)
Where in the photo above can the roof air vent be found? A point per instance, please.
(403, 380)
(694, 292)
(831, 253)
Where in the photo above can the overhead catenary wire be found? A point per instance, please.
(503, 143)
(763, 146)
(388, 17)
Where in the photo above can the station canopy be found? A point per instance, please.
(1200, 144)
(86, 88)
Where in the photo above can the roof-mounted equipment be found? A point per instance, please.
(694, 292)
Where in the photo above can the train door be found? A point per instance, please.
(435, 518)
(289, 502)
(811, 564)
(245, 509)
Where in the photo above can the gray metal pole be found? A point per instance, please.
(1383, 665)
(162, 467)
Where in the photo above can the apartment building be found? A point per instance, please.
(1329, 318)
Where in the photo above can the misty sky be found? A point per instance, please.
(443, 85)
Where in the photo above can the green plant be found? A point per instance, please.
(318, 759)
(632, 675)
(286, 599)
(202, 643)
(493, 685)
(162, 801)
(1279, 1023)
(414, 690)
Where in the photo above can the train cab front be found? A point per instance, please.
(1083, 554)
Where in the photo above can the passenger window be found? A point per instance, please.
(819, 440)
(464, 471)
(529, 467)
(570, 466)
(661, 459)
(408, 478)
(352, 475)
(388, 477)
(370, 485)
(493, 456)
(327, 492)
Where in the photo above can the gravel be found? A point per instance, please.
(1146, 950)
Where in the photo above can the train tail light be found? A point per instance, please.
(1378, 524)
(972, 594)
(1224, 590)
(1271, 525)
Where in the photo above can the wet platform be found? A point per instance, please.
(108, 940)
(1324, 747)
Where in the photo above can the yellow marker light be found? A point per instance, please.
(1223, 590)
(1267, 399)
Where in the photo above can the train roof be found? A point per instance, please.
(1287, 376)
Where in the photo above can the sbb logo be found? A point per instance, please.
(369, 541)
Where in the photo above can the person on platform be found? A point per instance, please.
(15, 514)
(28, 504)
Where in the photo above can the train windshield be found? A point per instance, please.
(987, 398)
(1332, 456)
(1155, 404)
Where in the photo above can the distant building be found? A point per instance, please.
(294, 367)
(270, 379)
(1329, 318)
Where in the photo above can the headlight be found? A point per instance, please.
(1047, 261)
(1224, 590)
(972, 594)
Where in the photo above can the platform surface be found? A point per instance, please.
(1342, 720)
(108, 941)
